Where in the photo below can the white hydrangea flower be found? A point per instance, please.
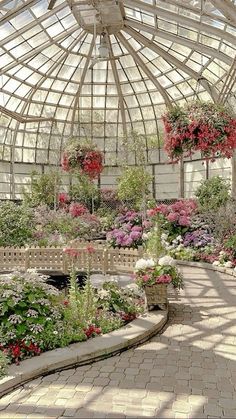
(146, 236)
(113, 280)
(103, 293)
(143, 264)
(216, 263)
(167, 260)
(164, 236)
(228, 264)
(179, 238)
(222, 253)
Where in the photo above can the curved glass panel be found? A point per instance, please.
(54, 84)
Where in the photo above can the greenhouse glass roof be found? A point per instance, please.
(106, 68)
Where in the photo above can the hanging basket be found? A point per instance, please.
(202, 127)
(82, 157)
(156, 295)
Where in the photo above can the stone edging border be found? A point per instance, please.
(204, 265)
(81, 353)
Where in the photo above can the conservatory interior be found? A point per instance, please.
(117, 209)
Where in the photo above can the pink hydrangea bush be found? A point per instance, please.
(178, 213)
(127, 231)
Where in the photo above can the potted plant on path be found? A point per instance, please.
(154, 276)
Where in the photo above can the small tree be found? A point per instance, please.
(133, 186)
(84, 190)
(134, 182)
(44, 189)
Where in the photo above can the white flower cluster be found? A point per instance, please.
(222, 261)
(143, 264)
(15, 319)
(146, 236)
(32, 313)
(177, 243)
(166, 261)
(103, 293)
(227, 264)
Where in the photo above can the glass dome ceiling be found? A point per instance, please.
(155, 52)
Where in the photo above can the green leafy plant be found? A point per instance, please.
(44, 189)
(133, 185)
(231, 244)
(153, 244)
(83, 190)
(213, 193)
(4, 361)
(16, 224)
(28, 306)
(119, 300)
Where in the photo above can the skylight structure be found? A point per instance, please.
(106, 68)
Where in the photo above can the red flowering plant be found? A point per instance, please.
(82, 157)
(205, 127)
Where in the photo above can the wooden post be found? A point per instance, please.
(153, 182)
(233, 176)
(181, 178)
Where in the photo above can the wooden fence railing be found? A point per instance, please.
(55, 261)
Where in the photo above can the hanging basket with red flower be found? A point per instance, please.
(205, 127)
(82, 157)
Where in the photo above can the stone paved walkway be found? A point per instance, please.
(189, 371)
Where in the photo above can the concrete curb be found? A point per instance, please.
(134, 333)
(204, 265)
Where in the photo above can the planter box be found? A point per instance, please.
(156, 295)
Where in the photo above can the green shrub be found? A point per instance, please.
(16, 224)
(231, 244)
(84, 190)
(133, 185)
(213, 193)
(44, 189)
(29, 306)
(3, 364)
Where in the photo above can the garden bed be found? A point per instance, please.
(134, 333)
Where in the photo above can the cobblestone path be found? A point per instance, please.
(188, 371)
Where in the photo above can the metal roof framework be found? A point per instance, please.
(161, 52)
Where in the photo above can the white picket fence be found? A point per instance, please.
(55, 260)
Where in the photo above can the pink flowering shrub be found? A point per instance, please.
(127, 231)
(63, 198)
(76, 209)
(178, 213)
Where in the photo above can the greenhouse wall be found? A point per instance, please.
(166, 177)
